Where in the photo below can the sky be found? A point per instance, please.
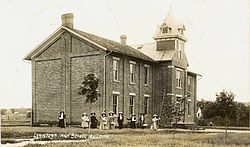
(217, 33)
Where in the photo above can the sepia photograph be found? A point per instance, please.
(141, 73)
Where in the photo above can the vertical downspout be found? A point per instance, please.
(185, 95)
(104, 80)
(139, 92)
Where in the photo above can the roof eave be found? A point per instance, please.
(40, 46)
(194, 73)
(170, 36)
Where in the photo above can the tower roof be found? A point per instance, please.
(170, 27)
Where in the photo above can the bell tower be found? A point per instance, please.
(170, 34)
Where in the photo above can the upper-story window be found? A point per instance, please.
(132, 71)
(116, 68)
(189, 83)
(166, 29)
(178, 78)
(180, 48)
(146, 76)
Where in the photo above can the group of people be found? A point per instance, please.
(108, 122)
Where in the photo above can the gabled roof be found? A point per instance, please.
(150, 50)
(100, 42)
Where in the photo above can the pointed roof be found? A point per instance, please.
(171, 22)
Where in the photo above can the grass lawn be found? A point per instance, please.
(129, 137)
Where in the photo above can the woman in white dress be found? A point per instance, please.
(103, 122)
(155, 121)
(85, 121)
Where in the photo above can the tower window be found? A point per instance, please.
(166, 30)
(180, 47)
(178, 78)
(181, 31)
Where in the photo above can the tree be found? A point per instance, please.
(89, 89)
(226, 107)
(175, 112)
(209, 109)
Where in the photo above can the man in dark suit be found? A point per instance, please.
(62, 122)
(120, 120)
(93, 120)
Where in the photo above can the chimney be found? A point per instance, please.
(67, 20)
(123, 39)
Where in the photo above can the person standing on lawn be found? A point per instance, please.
(103, 121)
(85, 121)
(111, 122)
(155, 121)
(132, 121)
(93, 120)
(142, 120)
(61, 119)
(120, 120)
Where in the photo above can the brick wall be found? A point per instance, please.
(124, 87)
(56, 76)
(58, 72)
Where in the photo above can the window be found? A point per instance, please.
(146, 69)
(131, 104)
(116, 69)
(166, 30)
(132, 72)
(179, 54)
(189, 83)
(189, 107)
(180, 48)
(146, 104)
(178, 78)
(115, 104)
(181, 31)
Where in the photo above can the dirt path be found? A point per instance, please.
(31, 141)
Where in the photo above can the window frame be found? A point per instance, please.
(116, 68)
(178, 78)
(146, 103)
(166, 30)
(131, 105)
(189, 81)
(189, 107)
(115, 105)
(179, 49)
(146, 74)
(132, 69)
